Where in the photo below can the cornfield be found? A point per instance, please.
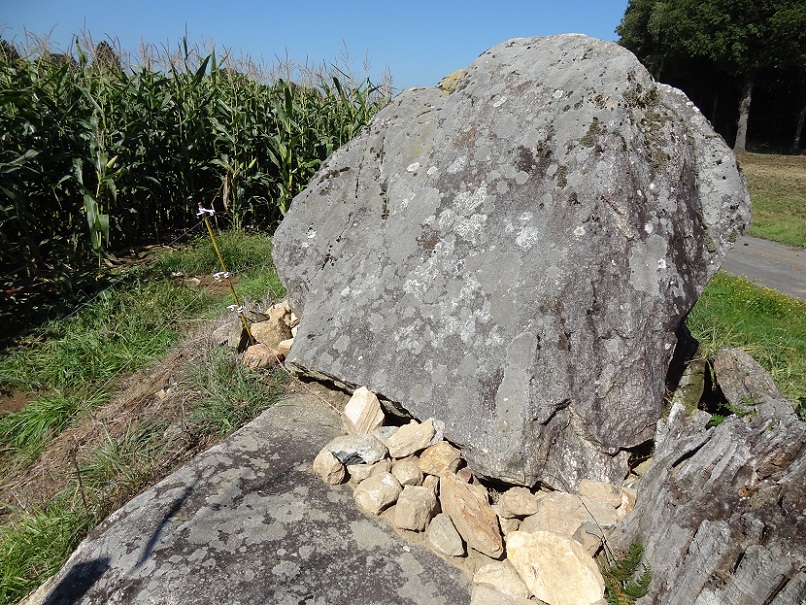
(95, 157)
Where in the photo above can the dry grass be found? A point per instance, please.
(778, 190)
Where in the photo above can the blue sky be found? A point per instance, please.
(418, 41)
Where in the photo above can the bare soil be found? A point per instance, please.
(155, 394)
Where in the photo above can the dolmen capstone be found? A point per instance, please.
(511, 254)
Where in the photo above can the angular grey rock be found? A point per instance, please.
(444, 538)
(415, 508)
(720, 511)
(506, 256)
(742, 379)
(358, 449)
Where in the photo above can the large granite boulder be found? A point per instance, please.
(513, 253)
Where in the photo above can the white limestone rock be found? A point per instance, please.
(363, 413)
(556, 569)
(410, 439)
(440, 458)
(503, 577)
(377, 493)
(415, 508)
(407, 471)
(328, 467)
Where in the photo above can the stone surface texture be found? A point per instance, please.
(439, 458)
(415, 508)
(472, 515)
(556, 569)
(721, 510)
(248, 523)
(502, 576)
(378, 492)
(513, 258)
(410, 439)
(328, 467)
(742, 379)
(363, 413)
(443, 536)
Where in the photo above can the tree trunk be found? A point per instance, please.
(801, 120)
(744, 114)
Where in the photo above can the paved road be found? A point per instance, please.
(776, 266)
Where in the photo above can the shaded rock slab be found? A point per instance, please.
(248, 522)
(721, 510)
(513, 258)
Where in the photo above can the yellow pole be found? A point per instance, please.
(239, 309)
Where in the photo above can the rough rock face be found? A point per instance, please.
(513, 257)
(721, 510)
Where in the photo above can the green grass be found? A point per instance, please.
(35, 545)
(778, 191)
(231, 393)
(72, 369)
(770, 326)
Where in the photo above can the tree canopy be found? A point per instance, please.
(748, 40)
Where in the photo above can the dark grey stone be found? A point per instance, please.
(514, 257)
(248, 522)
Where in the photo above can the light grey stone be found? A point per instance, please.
(504, 257)
(444, 538)
(724, 502)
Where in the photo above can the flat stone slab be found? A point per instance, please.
(248, 522)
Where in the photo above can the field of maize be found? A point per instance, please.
(95, 157)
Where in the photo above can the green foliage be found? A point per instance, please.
(44, 417)
(124, 329)
(733, 312)
(33, 547)
(725, 409)
(94, 158)
(623, 584)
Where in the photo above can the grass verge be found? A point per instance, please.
(110, 414)
(778, 191)
(770, 326)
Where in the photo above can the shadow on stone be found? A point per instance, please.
(152, 541)
(77, 582)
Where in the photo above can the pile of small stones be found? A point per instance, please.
(522, 546)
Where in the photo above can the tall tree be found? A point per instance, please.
(743, 37)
